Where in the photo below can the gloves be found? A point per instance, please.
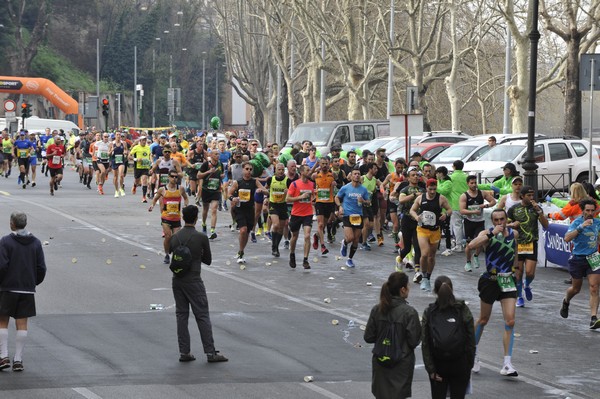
(495, 189)
(548, 198)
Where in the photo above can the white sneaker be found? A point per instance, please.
(447, 252)
(232, 227)
(458, 248)
(468, 267)
(116, 194)
(399, 264)
(509, 371)
(476, 262)
(418, 277)
(240, 259)
(476, 365)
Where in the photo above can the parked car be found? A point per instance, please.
(324, 134)
(472, 149)
(427, 150)
(398, 145)
(554, 157)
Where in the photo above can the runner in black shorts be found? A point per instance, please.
(498, 283)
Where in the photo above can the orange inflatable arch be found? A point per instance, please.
(42, 87)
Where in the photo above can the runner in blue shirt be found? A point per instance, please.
(23, 148)
(585, 260)
(350, 200)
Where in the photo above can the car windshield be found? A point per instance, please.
(318, 134)
(503, 153)
(375, 144)
(457, 151)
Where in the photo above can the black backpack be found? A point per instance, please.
(181, 261)
(388, 347)
(447, 331)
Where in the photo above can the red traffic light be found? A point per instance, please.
(24, 105)
(105, 101)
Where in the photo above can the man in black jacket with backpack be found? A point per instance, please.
(188, 289)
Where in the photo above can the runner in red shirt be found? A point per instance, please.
(301, 193)
(55, 154)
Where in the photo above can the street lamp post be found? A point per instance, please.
(390, 63)
(529, 164)
(203, 89)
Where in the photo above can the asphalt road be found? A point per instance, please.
(96, 335)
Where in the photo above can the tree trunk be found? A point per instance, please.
(450, 80)
(519, 92)
(572, 92)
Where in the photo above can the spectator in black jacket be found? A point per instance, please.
(22, 268)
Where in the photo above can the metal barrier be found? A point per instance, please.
(551, 183)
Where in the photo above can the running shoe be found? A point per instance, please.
(564, 309)
(144, 200)
(4, 363)
(594, 323)
(268, 235)
(305, 264)
(371, 238)
(232, 227)
(133, 189)
(520, 302)
(379, 240)
(240, 258)
(315, 241)
(425, 285)
(275, 252)
(24, 186)
(116, 194)
(213, 235)
(17, 365)
(286, 244)
(468, 267)
(476, 261)
(350, 263)
(365, 246)
(259, 231)
(324, 250)
(252, 236)
(528, 293)
(121, 192)
(447, 252)
(509, 371)
(204, 229)
(476, 365)
(293, 260)
(344, 249)
(167, 259)
(225, 206)
(418, 277)
(399, 264)
(215, 357)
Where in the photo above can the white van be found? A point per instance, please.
(324, 134)
(38, 125)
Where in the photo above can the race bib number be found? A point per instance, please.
(323, 194)
(197, 166)
(103, 155)
(594, 261)
(506, 282)
(163, 180)
(6, 150)
(23, 154)
(355, 220)
(306, 200)
(145, 163)
(119, 158)
(213, 184)
(525, 249)
(172, 208)
(428, 218)
(244, 195)
(278, 196)
(44, 153)
(475, 216)
(56, 160)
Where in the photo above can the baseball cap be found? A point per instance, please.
(526, 190)
(143, 138)
(517, 178)
(336, 147)
(412, 168)
(22, 132)
(163, 136)
(58, 137)
(200, 134)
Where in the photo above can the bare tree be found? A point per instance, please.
(572, 21)
(26, 49)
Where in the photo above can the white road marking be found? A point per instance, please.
(86, 393)
(318, 389)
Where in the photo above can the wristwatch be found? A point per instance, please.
(490, 235)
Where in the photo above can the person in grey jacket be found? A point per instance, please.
(22, 268)
(395, 382)
(189, 290)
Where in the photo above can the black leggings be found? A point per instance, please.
(455, 377)
(408, 227)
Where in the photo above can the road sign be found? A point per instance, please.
(10, 106)
(586, 74)
(10, 114)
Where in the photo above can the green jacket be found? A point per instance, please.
(445, 187)
(459, 187)
(504, 184)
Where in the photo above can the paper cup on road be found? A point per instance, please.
(142, 267)
(309, 378)
(108, 261)
(74, 260)
(369, 283)
(327, 300)
(363, 327)
(242, 267)
(343, 268)
(335, 322)
(331, 278)
(228, 263)
(103, 240)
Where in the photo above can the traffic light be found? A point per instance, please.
(105, 107)
(25, 110)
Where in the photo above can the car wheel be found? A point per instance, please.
(583, 178)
